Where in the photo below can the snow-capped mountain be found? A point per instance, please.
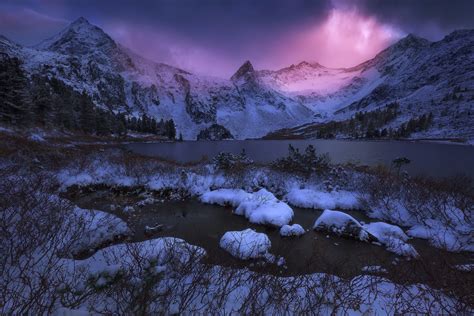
(87, 59)
(420, 75)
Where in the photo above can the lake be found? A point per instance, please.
(427, 158)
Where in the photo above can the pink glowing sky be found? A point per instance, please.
(215, 37)
(344, 38)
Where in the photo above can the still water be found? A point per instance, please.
(433, 159)
(203, 225)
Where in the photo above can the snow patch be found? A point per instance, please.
(261, 207)
(342, 224)
(36, 138)
(374, 269)
(308, 198)
(291, 230)
(224, 197)
(161, 251)
(468, 267)
(393, 238)
(443, 237)
(246, 244)
(100, 228)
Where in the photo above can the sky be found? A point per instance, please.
(215, 37)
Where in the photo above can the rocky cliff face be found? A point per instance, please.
(214, 132)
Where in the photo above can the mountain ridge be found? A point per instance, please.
(253, 103)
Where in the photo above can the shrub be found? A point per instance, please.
(303, 163)
(231, 162)
(399, 162)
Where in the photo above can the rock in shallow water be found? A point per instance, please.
(291, 230)
(343, 225)
(246, 244)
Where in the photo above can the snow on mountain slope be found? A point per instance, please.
(8, 47)
(422, 76)
(307, 77)
(86, 58)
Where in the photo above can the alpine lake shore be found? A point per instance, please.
(112, 231)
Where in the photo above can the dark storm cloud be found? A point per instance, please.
(216, 36)
(174, 31)
(204, 20)
(225, 24)
(230, 21)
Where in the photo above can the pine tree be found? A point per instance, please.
(103, 123)
(15, 106)
(170, 129)
(87, 120)
(42, 101)
(154, 126)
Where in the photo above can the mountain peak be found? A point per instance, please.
(79, 38)
(411, 41)
(245, 71)
(246, 67)
(309, 64)
(79, 21)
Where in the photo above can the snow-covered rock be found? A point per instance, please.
(291, 230)
(309, 198)
(374, 269)
(224, 197)
(342, 224)
(151, 230)
(128, 209)
(390, 236)
(393, 237)
(246, 244)
(264, 208)
(260, 207)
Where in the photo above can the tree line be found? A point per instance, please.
(371, 125)
(416, 124)
(50, 103)
(361, 125)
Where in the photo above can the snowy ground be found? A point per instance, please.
(333, 200)
(170, 273)
(99, 229)
(200, 288)
(263, 207)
